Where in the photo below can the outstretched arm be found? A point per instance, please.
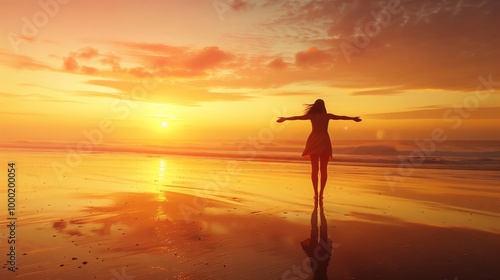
(346, 118)
(282, 119)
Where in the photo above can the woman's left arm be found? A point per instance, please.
(346, 118)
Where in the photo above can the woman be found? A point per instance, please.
(318, 147)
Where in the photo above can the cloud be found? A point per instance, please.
(87, 53)
(440, 113)
(6, 94)
(289, 93)
(89, 70)
(428, 44)
(277, 63)
(312, 57)
(207, 58)
(149, 59)
(23, 114)
(442, 45)
(170, 93)
(111, 60)
(18, 61)
(238, 4)
(70, 64)
(19, 37)
(156, 48)
(377, 92)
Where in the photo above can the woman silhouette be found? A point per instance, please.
(318, 146)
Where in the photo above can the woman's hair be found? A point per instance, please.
(316, 108)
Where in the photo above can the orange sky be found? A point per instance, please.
(222, 69)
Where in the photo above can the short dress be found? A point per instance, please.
(318, 142)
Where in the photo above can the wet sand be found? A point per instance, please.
(117, 216)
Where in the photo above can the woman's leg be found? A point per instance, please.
(314, 173)
(324, 172)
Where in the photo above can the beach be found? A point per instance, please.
(118, 215)
(173, 140)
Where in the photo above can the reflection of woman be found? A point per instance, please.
(318, 146)
(319, 251)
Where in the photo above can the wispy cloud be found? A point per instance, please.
(19, 61)
(170, 93)
(29, 114)
(438, 113)
(378, 92)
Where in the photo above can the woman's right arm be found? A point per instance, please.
(282, 119)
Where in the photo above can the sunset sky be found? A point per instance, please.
(162, 71)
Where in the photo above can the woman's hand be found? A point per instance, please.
(357, 119)
(281, 119)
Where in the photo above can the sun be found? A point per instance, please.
(164, 124)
